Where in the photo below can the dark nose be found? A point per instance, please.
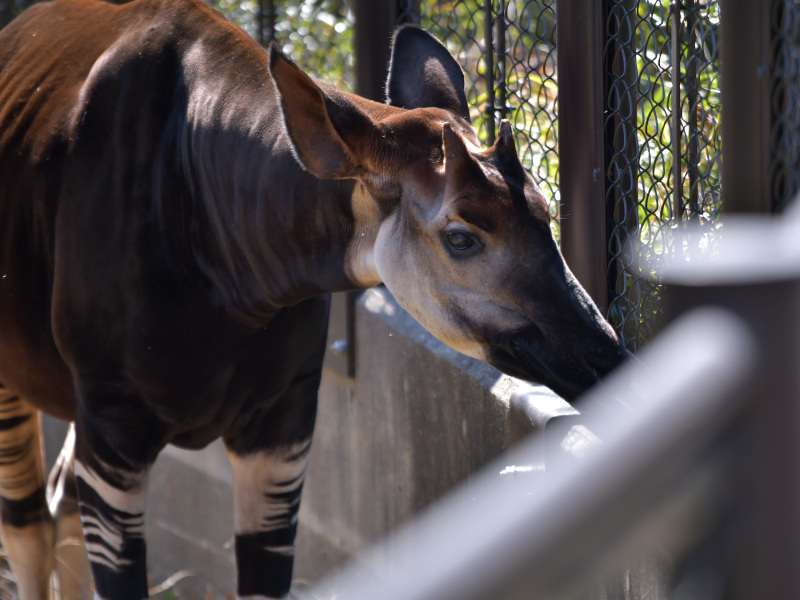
(605, 358)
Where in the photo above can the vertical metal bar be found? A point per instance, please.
(692, 95)
(780, 66)
(746, 111)
(581, 143)
(260, 22)
(622, 163)
(488, 56)
(785, 126)
(6, 12)
(265, 21)
(375, 21)
(677, 134)
(269, 20)
(500, 40)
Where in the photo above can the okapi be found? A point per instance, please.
(175, 205)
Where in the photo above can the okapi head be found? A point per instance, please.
(462, 236)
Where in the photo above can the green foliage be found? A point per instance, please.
(317, 34)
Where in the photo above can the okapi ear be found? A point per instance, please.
(329, 134)
(423, 74)
(459, 166)
(505, 141)
(505, 151)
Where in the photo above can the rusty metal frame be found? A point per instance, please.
(375, 20)
(581, 139)
(745, 84)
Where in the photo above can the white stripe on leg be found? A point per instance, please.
(262, 484)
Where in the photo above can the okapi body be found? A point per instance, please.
(175, 205)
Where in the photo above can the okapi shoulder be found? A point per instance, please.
(128, 81)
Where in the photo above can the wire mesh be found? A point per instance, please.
(531, 90)
(663, 145)
(508, 53)
(785, 131)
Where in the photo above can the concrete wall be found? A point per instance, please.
(417, 419)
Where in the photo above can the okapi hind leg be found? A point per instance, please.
(27, 528)
(269, 469)
(73, 576)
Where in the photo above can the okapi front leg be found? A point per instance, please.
(115, 447)
(27, 528)
(112, 502)
(267, 487)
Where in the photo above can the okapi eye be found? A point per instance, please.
(460, 241)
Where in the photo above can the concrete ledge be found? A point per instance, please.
(417, 419)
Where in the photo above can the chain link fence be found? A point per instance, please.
(663, 144)
(785, 84)
(508, 53)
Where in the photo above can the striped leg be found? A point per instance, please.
(267, 486)
(269, 455)
(73, 577)
(115, 447)
(112, 502)
(27, 529)
(269, 452)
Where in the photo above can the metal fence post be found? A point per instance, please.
(6, 12)
(621, 107)
(488, 40)
(745, 82)
(265, 19)
(375, 21)
(580, 110)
